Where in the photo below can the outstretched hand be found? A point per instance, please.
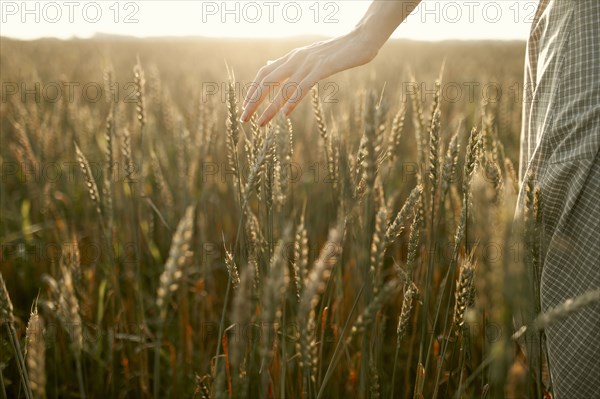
(299, 70)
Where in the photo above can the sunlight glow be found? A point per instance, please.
(433, 19)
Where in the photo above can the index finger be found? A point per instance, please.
(261, 91)
(261, 74)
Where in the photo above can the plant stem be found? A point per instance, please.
(394, 369)
(80, 376)
(20, 360)
(157, 346)
(2, 387)
(336, 352)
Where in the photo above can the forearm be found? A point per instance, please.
(382, 18)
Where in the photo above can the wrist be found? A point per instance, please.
(367, 39)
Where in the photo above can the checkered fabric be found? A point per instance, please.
(560, 145)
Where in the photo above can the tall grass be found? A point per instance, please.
(389, 268)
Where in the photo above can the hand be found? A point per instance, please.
(299, 70)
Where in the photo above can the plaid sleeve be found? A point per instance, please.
(560, 146)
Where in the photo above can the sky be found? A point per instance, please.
(432, 20)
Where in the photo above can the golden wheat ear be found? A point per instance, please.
(35, 353)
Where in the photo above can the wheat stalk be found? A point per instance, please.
(396, 135)
(567, 308)
(35, 356)
(109, 83)
(471, 159)
(510, 171)
(163, 187)
(414, 238)
(471, 162)
(381, 110)
(560, 312)
(277, 195)
(259, 162)
(449, 168)
(434, 148)
(255, 243)
(370, 157)
(300, 258)
(127, 156)
(68, 313)
(241, 315)
(378, 248)
(397, 225)
(464, 294)
(68, 309)
(232, 268)
(25, 145)
(179, 255)
(140, 82)
(89, 179)
(107, 189)
(410, 293)
(367, 317)
(419, 124)
(318, 111)
(7, 318)
(316, 283)
(273, 296)
(359, 162)
(290, 153)
(374, 387)
(494, 173)
(257, 144)
(6, 306)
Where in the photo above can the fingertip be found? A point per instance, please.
(249, 96)
(245, 103)
(263, 120)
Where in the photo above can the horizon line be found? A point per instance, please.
(101, 35)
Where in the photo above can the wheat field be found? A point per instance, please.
(154, 246)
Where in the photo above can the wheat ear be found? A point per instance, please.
(464, 294)
(7, 318)
(397, 225)
(364, 321)
(89, 179)
(179, 256)
(35, 355)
